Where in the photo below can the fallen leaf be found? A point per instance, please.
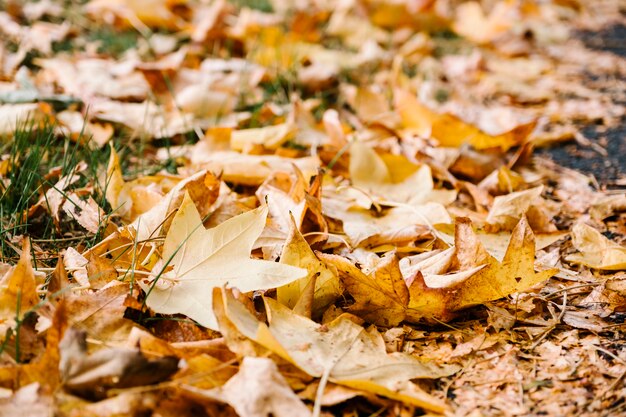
(86, 212)
(252, 169)
(608, 206)
(381, 297)
(257, 390)
(90, 77)
(18, 290)
(44, 369)
(397, 226)
(398, 181)
(204, 259)
(270, 137)
(136, 13)
(318, 289)
(28, 401)
(449, 130)
(494, 280)
(508, 209)
(14, 115)
(101, 313)
(595, 250)
(152, 222)
(114, 181)
(86, 374)
(496, 243)
(472, 23)
(342, 352)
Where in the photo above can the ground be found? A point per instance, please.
(308, 207)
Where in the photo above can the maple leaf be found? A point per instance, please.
(204, 259)
(495, 280)
(381, 297)
(340, 351)
(316, 291)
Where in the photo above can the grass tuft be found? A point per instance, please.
(36, 158)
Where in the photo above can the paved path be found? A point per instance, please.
(609, 170)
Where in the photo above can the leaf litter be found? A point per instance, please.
(307, 208)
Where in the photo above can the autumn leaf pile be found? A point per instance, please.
(307, 208)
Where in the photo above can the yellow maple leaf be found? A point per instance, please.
(312, 294)
(495, 280)
(381, 297)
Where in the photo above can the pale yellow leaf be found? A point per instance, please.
(508, 209)
(472, 23)
(13, 116)
(270, 137)
(399, 225)
(392, 178)
(595, 250)
(204, 259)
(257, 390)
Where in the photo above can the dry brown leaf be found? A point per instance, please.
(85, 374)
(86, 212)
(495, 280)
(44, 369)
(381, 296)
(608, 206)
(508, 209)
